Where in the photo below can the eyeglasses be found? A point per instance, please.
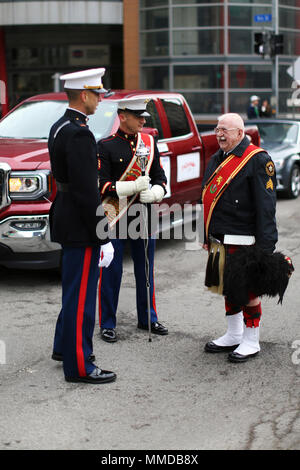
(217, 130)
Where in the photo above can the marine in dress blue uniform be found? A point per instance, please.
(73, 220)
(115, 153)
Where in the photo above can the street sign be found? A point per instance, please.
(263, 18)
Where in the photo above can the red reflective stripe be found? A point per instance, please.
(99, 296)
(80, 311)
(153, 296)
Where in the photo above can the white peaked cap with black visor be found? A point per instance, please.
(137, 106)
(85, 80)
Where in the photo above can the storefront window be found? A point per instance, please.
(250, 76)
(198, 76)
(155, 78)
(205, 103)
(239, 102)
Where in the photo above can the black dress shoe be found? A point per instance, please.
(98, 376)
(156, 328)
(59, 357)
(108, 334)
(212, 347)
(236, 357)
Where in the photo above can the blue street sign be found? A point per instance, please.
(263, 18)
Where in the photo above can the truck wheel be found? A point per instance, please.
(293, 190)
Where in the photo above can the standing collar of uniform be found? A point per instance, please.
(239, 150)
(125, 135)
(75, 114)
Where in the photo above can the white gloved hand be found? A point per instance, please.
(106, 255)
(128, 188)
(142, 183)
(155, 194)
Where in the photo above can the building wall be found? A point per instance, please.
(205, 49)
(40, 40)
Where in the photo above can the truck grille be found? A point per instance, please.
(4, 175)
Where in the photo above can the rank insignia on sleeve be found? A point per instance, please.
(269, 184)
(270, 169)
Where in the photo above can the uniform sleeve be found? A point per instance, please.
(264, 190)
(83, 177)
(157, 173)
(107, 180)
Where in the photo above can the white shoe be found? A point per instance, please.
(234, 333)
(249, 346)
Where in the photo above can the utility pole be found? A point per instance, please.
(275, 82)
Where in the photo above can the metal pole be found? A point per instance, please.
(141, 152)
(275, 86)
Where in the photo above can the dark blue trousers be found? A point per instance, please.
(76, 321)
(110, 283)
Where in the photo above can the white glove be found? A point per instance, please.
(155, 194)
(106, 255)
(128, 188)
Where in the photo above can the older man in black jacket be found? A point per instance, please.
(239, 197)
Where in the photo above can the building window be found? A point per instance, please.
(154, 44)
(250, 76)
(155, 78)
(201, 16)
(205, 103)
(198, 42)
(198, 76)
(154, 19)
(240, 101)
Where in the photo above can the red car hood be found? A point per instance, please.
(24, 154)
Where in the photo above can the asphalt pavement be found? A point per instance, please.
(169, 393)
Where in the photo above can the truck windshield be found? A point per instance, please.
(33, 120)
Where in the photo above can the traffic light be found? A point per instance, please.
(259, 43)
(276, 44)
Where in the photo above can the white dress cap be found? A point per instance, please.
(254, 98)
(137, 106)
(85, 80)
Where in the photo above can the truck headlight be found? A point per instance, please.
(23, 184)
(28, 185)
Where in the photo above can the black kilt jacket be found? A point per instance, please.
(248, 205)
(74, 162)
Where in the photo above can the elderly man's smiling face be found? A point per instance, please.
(230, 131)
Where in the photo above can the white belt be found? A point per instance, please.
(239, 240)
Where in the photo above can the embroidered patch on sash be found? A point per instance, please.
(270, 169)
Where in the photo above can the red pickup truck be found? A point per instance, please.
(27, 187)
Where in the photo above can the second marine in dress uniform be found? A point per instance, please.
(121, 181)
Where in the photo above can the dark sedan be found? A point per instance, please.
(281, 139)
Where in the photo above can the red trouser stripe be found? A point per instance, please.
(153, 295)
(99, 296)
(80, 311)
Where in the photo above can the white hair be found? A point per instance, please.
(235, 118)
